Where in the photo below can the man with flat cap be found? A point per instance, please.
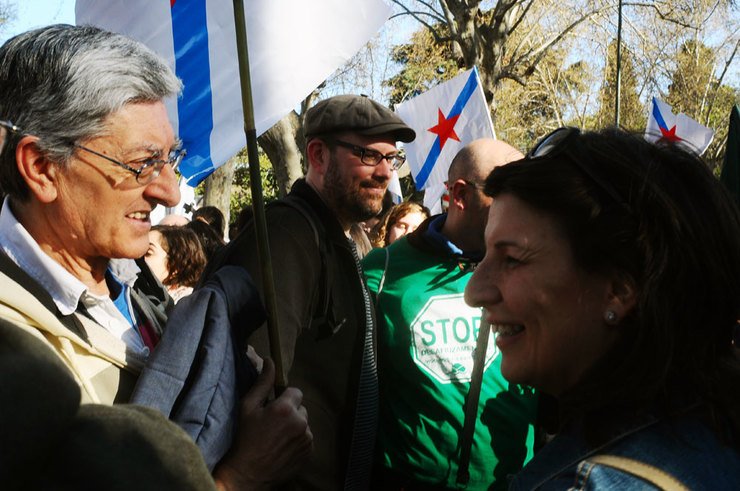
(325, 315)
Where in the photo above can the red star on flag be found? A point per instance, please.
(670, 134)
(445, 129)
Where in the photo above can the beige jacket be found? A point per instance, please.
(103, 365)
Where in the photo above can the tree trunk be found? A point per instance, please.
(217, 188)
(280, 145)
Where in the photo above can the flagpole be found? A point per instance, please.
(258, 204)
(619, 65)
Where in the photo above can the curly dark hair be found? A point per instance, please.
(185, 257)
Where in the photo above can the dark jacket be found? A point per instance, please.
(49, 441)
(321, 316)
(199, 372)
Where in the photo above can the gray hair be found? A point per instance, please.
(61, 82)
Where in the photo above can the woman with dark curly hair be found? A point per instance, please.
(176, 258)
(612, 281)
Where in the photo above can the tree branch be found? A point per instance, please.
(719, 82)
(540, 52)
(664, 16)
(521, 18)
(417, 16)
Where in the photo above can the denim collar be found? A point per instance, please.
(565, 451)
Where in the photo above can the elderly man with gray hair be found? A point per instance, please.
(89, 154)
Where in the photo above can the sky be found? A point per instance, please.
(37, 13)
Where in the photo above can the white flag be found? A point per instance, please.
(293, 46)
(445, 118)
(664, 125)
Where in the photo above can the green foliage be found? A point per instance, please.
(691, 79)
(527, 112)
(696, 92)
(241, 193)
(425, 64)
(631, 111)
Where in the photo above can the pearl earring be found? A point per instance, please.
(610, 316)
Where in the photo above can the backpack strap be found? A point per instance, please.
(657, 477)
(323, 317)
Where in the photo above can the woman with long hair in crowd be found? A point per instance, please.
(402, 219)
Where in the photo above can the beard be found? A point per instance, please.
(346, 197)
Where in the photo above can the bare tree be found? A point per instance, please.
(485, 37)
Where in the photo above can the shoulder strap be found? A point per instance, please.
(653, 475)
(299, 204)
(323, 314)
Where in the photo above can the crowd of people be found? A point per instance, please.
(604, 267)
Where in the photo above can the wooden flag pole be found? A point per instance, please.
(258, 203)
(472, 400)
(618, 94)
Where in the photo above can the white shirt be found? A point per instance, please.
(66, 290)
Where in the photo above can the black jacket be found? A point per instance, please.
(321, 316)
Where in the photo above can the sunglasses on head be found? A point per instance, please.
(558, 142)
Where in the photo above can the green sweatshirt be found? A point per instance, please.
(426, 342)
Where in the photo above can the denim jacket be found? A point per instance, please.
(684, 447)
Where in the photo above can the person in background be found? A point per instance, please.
(611, 278)
(400, 220)
(243, 218)
(213, 217)
(208, 237)
(176, 258)
(172, 219)
(426, 340)
(89, 153)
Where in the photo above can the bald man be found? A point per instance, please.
(426, 340)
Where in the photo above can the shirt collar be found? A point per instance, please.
(64, 288)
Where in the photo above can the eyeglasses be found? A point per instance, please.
(146, 171)
(149, 169)
(476, 185)
(371, 157)
(556, 143)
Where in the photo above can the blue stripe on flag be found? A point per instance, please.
(457, 108)
(194, 108)
(658, 117)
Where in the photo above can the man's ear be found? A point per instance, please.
(458, 194)
(39, 173)
(317, 153)
(622, 300)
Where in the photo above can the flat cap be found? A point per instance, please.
(356, 113)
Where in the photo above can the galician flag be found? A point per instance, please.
(293, 46)
(445, 118)
(662, 124)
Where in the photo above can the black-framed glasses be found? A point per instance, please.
(371, 157)
(145, 172)
(555, 143)
(149, 169)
